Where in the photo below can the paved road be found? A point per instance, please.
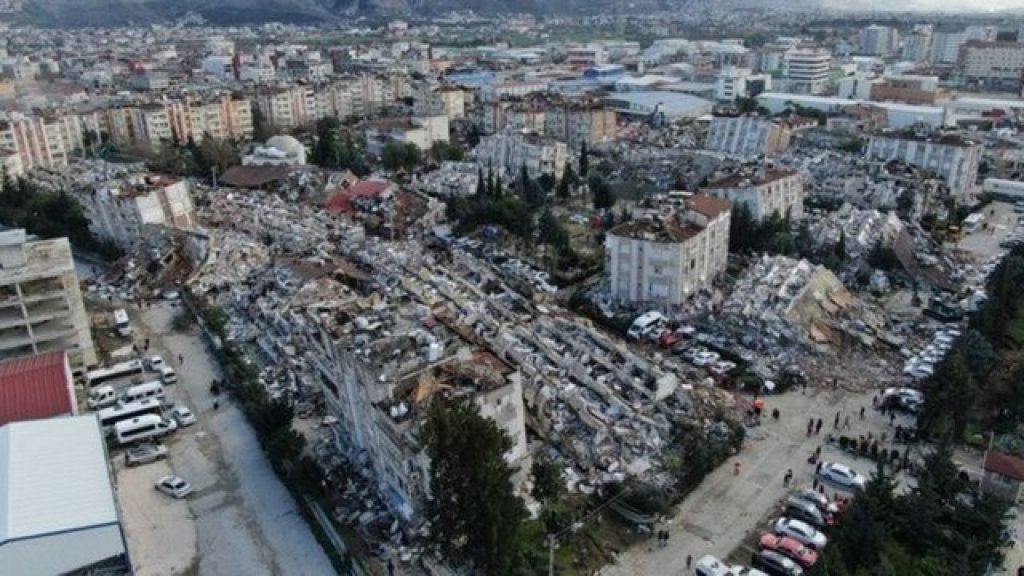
(718, 516)
(246, 521)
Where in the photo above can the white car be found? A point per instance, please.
(183, 416)
(174, 486)
(842, 475)
(802, 532)
(920, 371)
(705, 358)
(723, 367)
(154, 363)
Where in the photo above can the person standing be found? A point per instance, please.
(736, 468)
(861, 412)
(835, 424)
(787, 478)
(817, 427)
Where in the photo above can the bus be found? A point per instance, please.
(110, 416)
(101, 375)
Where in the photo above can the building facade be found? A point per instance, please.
(665, 257)
(992, 64)
(508, 152)
(764, 191)
(747, 135)
(950, 157)
(806, 70)
(120, 210)
(41, 307)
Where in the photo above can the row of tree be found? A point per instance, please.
(49, 214)
(204, 159)
(968, 391)
(943, 527)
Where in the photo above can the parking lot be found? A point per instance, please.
(724, 514)
(239, 518)
(1000, 222)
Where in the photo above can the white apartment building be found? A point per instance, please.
(765, 191)
(120, 209)
(41, 306)
(424, 132)
(732, 83)
(952, 158)
(747, 136)
(806, 69)
(665, 257)
(289, 107)
(993, 63)
(508, 152)
(945, 46)
(917, 45)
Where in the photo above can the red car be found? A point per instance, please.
(789, 547)
(670, 339)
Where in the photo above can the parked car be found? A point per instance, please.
(841, 475)
(801, 532)
(670, 339)
(154, 363)
(793, 549)
(820, 501)
(705, 358)
(183, 416)
(175, 486)
(776, 564)
(723, 367)
(144, 454)
(806, 511)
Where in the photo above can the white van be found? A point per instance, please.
(142, 428)
(711, 566)
(167, 375)
(154, 389)
(101, 397)
(644, 324)
(122, 325)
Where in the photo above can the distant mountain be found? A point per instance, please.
(120, 12)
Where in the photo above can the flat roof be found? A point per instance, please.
(38, 461)
(674, 104)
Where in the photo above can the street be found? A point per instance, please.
(243, 520)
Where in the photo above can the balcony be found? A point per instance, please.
(47, 310)
(52, 330)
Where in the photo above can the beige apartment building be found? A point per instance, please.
(765, 191)
(41, 306)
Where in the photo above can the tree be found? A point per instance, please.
(400, 156)
(743, 229)
(883, 257)
(566, 183)
(584, 160)
(475, 517)
(262, 129)
(481, 184)
(446, 151)
(601, 192)
(214, 154)
(326, 148)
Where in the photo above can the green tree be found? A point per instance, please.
(447, 151)
(400, 156)
(326, 148)
(476, 518)
(743, 229)
(566, 183)
(214, 155)
(262, 129)
(601, 192)
(584, 160)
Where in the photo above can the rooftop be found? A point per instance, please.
(708, 205)
(33, 387)
(943, 138)
(664, 230)
(1005, 465)
(746, 178)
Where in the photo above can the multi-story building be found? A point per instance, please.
(514, 115)
(945, 46)
(878, 40)
(951, 157)
(918, 90)
(993, 64)
(424, 132)
(579, 123)
(747, 135)
(765, 191)
(665, 255)
(806, 70)
(289, 107)
(10, 165)
(508, 152)
(43, 141)
(586, 56)
(223, 117)
(917, 45)
(381, 366)
(732, 83)
(120, 209)
(41, 306)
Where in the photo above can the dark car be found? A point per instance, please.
(776, 564)
(806, 511)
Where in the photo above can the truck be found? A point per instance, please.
(122, 325)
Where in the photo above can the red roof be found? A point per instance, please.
(33, 387)
(708, 205)
(342, 200)
(1005, 465)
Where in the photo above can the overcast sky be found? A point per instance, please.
(946, 5)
